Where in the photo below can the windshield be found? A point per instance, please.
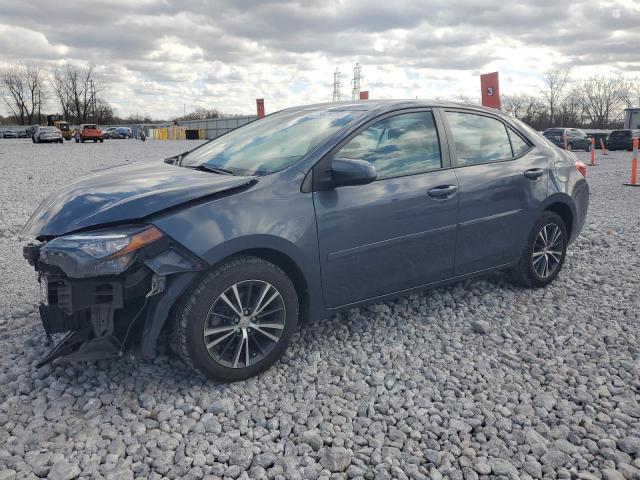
(269, 144)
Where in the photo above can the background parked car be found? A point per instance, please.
(31, 130)
(23, 134)
(107, 132)
(621, 139)
(47, 135)
(576, 139)
(9, 134)
(88, 131)
(121, 132)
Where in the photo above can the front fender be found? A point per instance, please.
(274, 215)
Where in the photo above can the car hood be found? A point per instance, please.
(122, 194)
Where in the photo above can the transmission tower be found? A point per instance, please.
(356, 82)
(337, 86)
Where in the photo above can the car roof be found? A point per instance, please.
(389, 105)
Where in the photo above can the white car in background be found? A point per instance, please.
(47, 134)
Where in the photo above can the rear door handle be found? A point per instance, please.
(534, 173)
(442, 191)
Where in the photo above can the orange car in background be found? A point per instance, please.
(89, 131)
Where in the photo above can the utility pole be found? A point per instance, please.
(337, 86)
(356, 82)
(93, 99)
(184, 109)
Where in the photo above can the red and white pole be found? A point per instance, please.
(634, 165)
(593, 152)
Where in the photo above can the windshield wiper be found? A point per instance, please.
(206, 168)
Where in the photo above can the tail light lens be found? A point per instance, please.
(582, 168)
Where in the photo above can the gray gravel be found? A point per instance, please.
(478, 380)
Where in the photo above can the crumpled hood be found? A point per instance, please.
(129, 192)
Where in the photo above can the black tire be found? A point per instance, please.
(102, 140)
(194, 313)
(526, 272)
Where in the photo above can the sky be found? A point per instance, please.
(160, 57)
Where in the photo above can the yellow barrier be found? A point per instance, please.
(175, 133)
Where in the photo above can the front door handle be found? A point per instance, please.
(534, 173)
(442, 191)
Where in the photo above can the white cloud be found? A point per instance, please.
(157, 56)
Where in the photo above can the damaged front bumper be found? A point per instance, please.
(104, 316)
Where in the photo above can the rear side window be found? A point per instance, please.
(479, 139)
(398, 145)
(518, 145)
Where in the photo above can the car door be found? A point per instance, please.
(502, 180)
(399, 231)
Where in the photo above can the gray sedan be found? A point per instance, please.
(303, 213)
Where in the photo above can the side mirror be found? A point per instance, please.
(347, 171)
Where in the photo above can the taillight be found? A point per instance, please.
(582, 168)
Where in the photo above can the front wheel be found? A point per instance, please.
(544, 253)
(238, 320)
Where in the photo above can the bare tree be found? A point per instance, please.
(23, 91)
(104, 112)
(202, 113)
(531, 110)
(632, 93)
(571, 110)
(77, 89)
(555, 83)
(603, 98)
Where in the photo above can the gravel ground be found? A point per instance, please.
(478, 380)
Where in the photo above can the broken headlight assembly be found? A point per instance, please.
(101, 252)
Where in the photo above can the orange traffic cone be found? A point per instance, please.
(634, 165)
(604, 149)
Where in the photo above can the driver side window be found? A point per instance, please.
(399, 145)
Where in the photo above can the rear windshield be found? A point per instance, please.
(90, 127)
(554, 132)
(621, 134)
(49, 129)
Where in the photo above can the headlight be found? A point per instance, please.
(104, 252)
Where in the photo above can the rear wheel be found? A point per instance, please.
(238, 321)
(544, 253)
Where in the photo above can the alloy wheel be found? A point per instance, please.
(547, 250)
(244, 323)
